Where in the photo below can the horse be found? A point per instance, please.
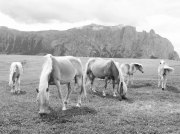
(16, 70)
(163, 71)
(107, 70)
(57, 71)
(128, 71)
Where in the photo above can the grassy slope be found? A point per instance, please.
(147, 110)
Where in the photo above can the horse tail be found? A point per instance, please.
(11, 75)
(86, 70)
(123, 89)
(83, 88)
(122, 86)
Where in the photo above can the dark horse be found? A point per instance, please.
(107, 70)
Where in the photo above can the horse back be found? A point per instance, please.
(76, 62)
(100, 67)
(65, 69)
(125, 68)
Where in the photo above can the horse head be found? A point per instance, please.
(43, 91)
(139, 67)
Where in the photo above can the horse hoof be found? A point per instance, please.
(64, 108)
(78, 105)
(124, 97)
(114, 95)
(41, 113)
(94, 91)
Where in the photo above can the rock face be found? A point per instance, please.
(91, 40)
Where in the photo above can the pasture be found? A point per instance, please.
(148, 109)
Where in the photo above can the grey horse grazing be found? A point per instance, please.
(128, 71)
(107, 70)
(57, 71)
(163, 71)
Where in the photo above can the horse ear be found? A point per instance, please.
(47, 89)
(37, 90)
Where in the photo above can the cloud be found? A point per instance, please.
(70, 11)
(161, 15)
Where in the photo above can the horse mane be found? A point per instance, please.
(46, 70)
(137, 65)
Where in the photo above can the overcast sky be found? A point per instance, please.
(32, 15)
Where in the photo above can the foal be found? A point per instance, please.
(16, 70)
(128, 71)
(163, 71)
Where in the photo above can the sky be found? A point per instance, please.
(33, 15)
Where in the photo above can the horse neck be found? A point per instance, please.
(43, 84)
(115, 70)
(133, 69)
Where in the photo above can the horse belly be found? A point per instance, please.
(98, 72)
(67, 73)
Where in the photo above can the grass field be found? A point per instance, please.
(148, 109)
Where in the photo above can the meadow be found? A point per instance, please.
(148, 109)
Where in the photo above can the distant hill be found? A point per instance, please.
(91, 40)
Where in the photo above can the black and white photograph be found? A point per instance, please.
(89, 67)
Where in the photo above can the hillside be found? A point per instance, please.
(91, 40)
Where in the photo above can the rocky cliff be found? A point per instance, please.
(91, 40)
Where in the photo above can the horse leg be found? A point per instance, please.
(128, 79)
(80, 85)
(13, 88)
(60, 94)
(92, 81)
(18, 85)
(159, 81)
(162, 82)
(15, 85)
(105, 86)
(165, 82)
(132, 79)
(114, 92)
(68, 93)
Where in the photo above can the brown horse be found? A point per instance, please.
(107, 70)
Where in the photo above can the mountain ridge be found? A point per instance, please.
(91, 40)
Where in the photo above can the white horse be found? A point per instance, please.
(57, 71)
(128, 71)
(107, 70)
(16, 70)
(163, 71)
